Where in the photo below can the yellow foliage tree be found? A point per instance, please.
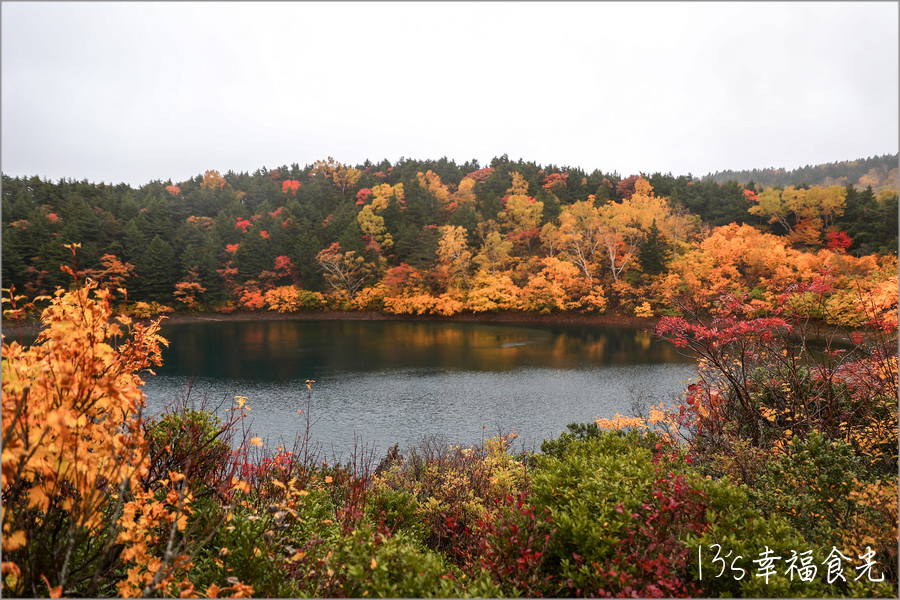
(494, 254)
(431, 182)
(558, 286)
(491, 293)
(521, 216)
(454, 254)
(74, 454)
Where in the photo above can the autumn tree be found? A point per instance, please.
(464, 197)
(346, 178)
(345, 272)
(212, 180)
(113, 273)
(492, 293)
(624, 225)
(431, 182)
(804, 214)
(494, 254)
(342, 176)
(370, 219)
(454, 255)
(579, 235)
(557, 287)
(188, 290)
(521, 215)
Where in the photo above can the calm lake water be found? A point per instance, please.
(383, 382)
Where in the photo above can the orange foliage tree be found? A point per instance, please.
(212, 180)
(188, 290)
(113, 274)
(74, 454)
(557, 287)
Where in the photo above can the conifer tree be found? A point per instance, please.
(655, 253)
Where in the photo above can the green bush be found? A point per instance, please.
(366, 563)
(247, 549)
(592, 484)
(626, 524)
(584, 431)
(192, 442)
(810, 488)
(743, 531)
(396, 510)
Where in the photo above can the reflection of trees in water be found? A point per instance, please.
(296, 349)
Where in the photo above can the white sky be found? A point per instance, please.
(132, 92)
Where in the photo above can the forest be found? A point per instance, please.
(774, 473)
(875, 171)
(434, 237)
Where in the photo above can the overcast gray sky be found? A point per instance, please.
(132, 92)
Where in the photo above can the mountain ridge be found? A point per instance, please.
(879, 172)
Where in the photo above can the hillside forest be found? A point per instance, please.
(435, 237)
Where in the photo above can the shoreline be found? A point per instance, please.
(11, 330)
(510, 317)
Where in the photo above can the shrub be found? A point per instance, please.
(245, 549)
(810, 487)
(626, 525)
(192, 442)
(74, 451)
(366, 563)
(511, 547)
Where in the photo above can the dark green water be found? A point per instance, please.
(385, 382)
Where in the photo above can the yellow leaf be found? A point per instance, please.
(38, 499)
(14, 542)
(373, 564)
(328, 479)
(256, 442)
(240, 485)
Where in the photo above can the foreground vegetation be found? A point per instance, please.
(779, 454)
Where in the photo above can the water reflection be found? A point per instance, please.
(284, 350)
(393, 382)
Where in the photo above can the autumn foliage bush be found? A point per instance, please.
(74, 455)
(88, 507)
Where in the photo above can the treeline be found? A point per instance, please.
(876, 172)
(422, 236)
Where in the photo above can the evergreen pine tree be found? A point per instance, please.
(655, 252)
(157, 272)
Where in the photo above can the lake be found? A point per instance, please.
(378, 383)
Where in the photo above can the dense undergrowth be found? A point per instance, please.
(778, 457)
